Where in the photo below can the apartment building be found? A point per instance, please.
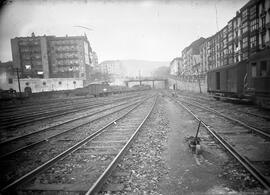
(52, 57)
(243, 36)
(176, 66)
(191, 56)
(111, 69)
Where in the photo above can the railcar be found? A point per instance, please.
(101, 89)
(13, 94)
(227, 81)
(94, 89)
(258, 78)
(249, 80)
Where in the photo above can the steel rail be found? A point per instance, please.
(48, 102)
(53, 108)
(63, 132)
(249, 113)
(10, 188)
(100, 181)
(44, 115)
(241, 159)
(36, 105)
(65, 122)
(257, 115)
(253, 129)
(50, 115)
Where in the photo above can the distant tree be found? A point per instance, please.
(162, 71)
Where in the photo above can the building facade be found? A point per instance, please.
(191, 57)
(52, 57)
(176, 66)
(112, 68)
(244, 35)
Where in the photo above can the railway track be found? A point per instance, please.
(46, 102)
(52, 106)
(37, 103)
(249, 150)
(30, 118)
(84, 166)
(34, 109)
(26, 141)
(260, 126)
(240, 108)
(24, 155)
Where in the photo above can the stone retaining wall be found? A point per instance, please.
(192, 85)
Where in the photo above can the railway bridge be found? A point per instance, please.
(153, 82)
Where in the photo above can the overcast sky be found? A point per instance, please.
(147, 30)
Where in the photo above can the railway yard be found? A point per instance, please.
(134, 143)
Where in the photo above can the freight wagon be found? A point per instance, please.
(94, 89)
(249, 79)
(227, 81)
(258, 78)
(101, 89)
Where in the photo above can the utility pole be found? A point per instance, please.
(199, 81)
(140, 77)
(19, 84)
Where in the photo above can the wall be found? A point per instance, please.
(39, 85)
(188, 86)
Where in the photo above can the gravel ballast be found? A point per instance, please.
(161, 162)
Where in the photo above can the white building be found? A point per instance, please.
(176, 66)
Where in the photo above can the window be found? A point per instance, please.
(263, 22)
(245, 27)
(74, 82)
(253, 25)
(252, 11)
(245, 42)
(59, 82)
(263, 68)
(230, 36)
(244, 14)
(27, 67)
(245, 55)
(253, 42)
(263, 39)
(44, 83)
(253, 69)
(10, 80)
(26, 83)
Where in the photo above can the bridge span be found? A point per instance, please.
(147, 81)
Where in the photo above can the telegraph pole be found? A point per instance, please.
(19, 84)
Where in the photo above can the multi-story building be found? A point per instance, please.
(205, 55)
(111, 69)
(243, 36)
(30, 56)
(191, 56)
(176, 66)
(69, 57)
(264, 24)
(94, 58)
(52, 57)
